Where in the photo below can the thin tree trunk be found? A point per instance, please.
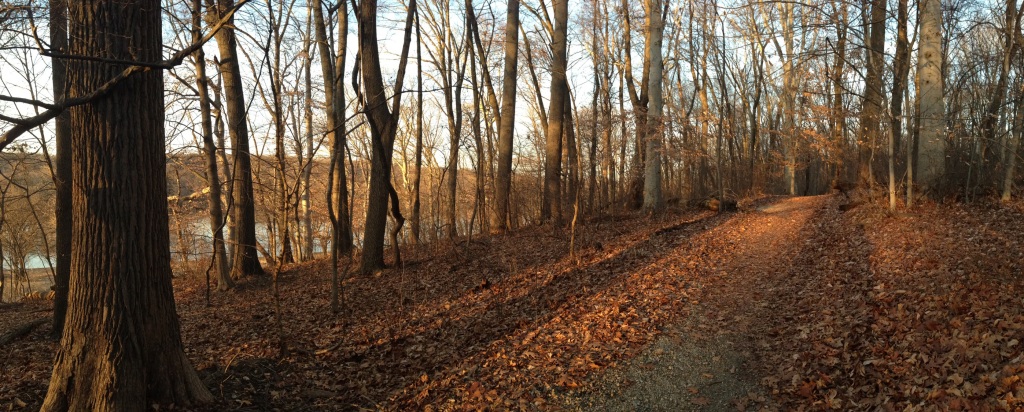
(838, 111)
(220, 262)
(901, 69)
(246, 260)
(307, 171)
(989, 122)
(480, 204)
(383, 122)
(872, 92)
(572, 160)
(652, 179)
(791, 143)
(592, 180)
(62, 206)
(1013, 150)
(551, 210)
(503, 184)
(415, 220)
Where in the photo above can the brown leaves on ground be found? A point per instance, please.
(901, 311)
(838, 310)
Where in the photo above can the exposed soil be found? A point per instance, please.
(787, 304)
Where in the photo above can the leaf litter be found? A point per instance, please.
(799, 305)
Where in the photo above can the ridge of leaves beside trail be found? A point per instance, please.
(506, 322)
(902, 312)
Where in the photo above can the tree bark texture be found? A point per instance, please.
(121, 350)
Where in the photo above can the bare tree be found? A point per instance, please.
(246, 260)
(383, 123)
(503, 183)
(901, 69)
(654, 135)
(220, 262)
(552, 201)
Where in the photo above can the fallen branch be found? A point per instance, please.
(20, 331)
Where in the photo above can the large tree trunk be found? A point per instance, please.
(652, 172)
(506, 129)
(220, 261)
(552, 207)
(932, 139)
(246, 260)
(62, 206)
(122, 350)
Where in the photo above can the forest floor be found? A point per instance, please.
(787, 304)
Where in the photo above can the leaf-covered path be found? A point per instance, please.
(787, 304)
(706, 362)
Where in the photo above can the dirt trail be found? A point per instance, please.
(708, 361)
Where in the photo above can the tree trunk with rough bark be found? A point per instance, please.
(122, 349)
(639, 99)
(415, 220)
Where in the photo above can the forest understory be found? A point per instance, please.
(788, 304)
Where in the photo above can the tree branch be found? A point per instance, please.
(53, 110)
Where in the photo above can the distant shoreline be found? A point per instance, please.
(40, 279)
